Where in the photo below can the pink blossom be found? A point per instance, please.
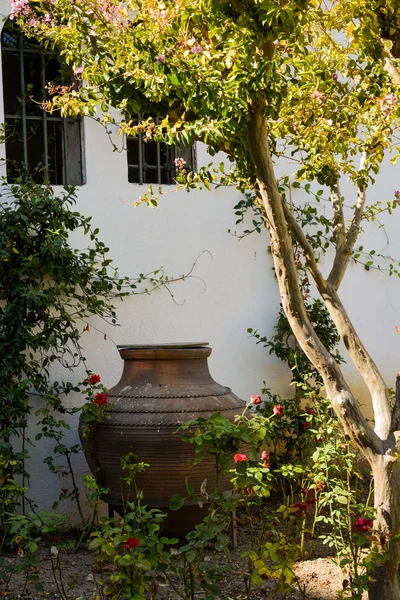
(387, 104)
(78, 70)
(19, 7)
(278, 409)
(397, 196)
(265, 455)
(197, 49)
(240, 457)
(160, 58)
(180, 163)
(317, 95)
(111, 11)
(335, 76)
(255, 399)
(158, 14)
(47, 17)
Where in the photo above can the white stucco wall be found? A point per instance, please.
(235, 290)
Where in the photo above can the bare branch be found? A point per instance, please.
(396, 408)
(305, 245)
(343, 401)
(358, 353)
(390, 68)
(339, 227)
(362, 360)
(344, 250)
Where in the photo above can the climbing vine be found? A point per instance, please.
(49, 291)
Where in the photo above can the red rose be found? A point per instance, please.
(265, 455)
(278, 409)
(131, 543)
(309, 411)
(363, 524)
(306, 425)
(255, 399)
(100, 399)
(94, 379)
(239, 457)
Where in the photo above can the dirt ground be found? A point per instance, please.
(320, 578)
(317, 578)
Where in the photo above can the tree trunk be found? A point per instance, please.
(386, 581)
(381, 453)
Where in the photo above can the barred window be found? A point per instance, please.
(154, 162)
(45, 146)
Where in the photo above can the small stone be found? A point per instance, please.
(90, 577)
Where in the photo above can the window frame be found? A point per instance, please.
(22, 50)
(143, 167)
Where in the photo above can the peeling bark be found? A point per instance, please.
(343, 401)
(386, 473)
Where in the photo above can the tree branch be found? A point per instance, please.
(390, 67)
(358, 353)
(305, 245)
(343, 401)
(396, 408)
(345, 249)
(362, 360)
(339, 227)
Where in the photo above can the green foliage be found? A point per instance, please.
(26, 534)
(283, 346)
(203, 66)
(48, 292)
(320, 77)
(135, 551)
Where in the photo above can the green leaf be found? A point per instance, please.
(176, 502)
(256, 579)
(341, 499)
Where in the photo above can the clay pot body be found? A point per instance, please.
(161, 387)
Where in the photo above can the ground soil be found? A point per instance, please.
(318, 578)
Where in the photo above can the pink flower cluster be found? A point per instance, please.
(158, 14)
(197, 49)
(388, 103)
(180, 163)
(109, 10)
(317, 95)
(160, 59)
(19, 7)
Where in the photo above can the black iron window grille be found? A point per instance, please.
(154, 162)
(47, 147)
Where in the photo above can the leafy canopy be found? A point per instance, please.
(317, 70)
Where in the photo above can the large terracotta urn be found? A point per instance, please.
(161, 387)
